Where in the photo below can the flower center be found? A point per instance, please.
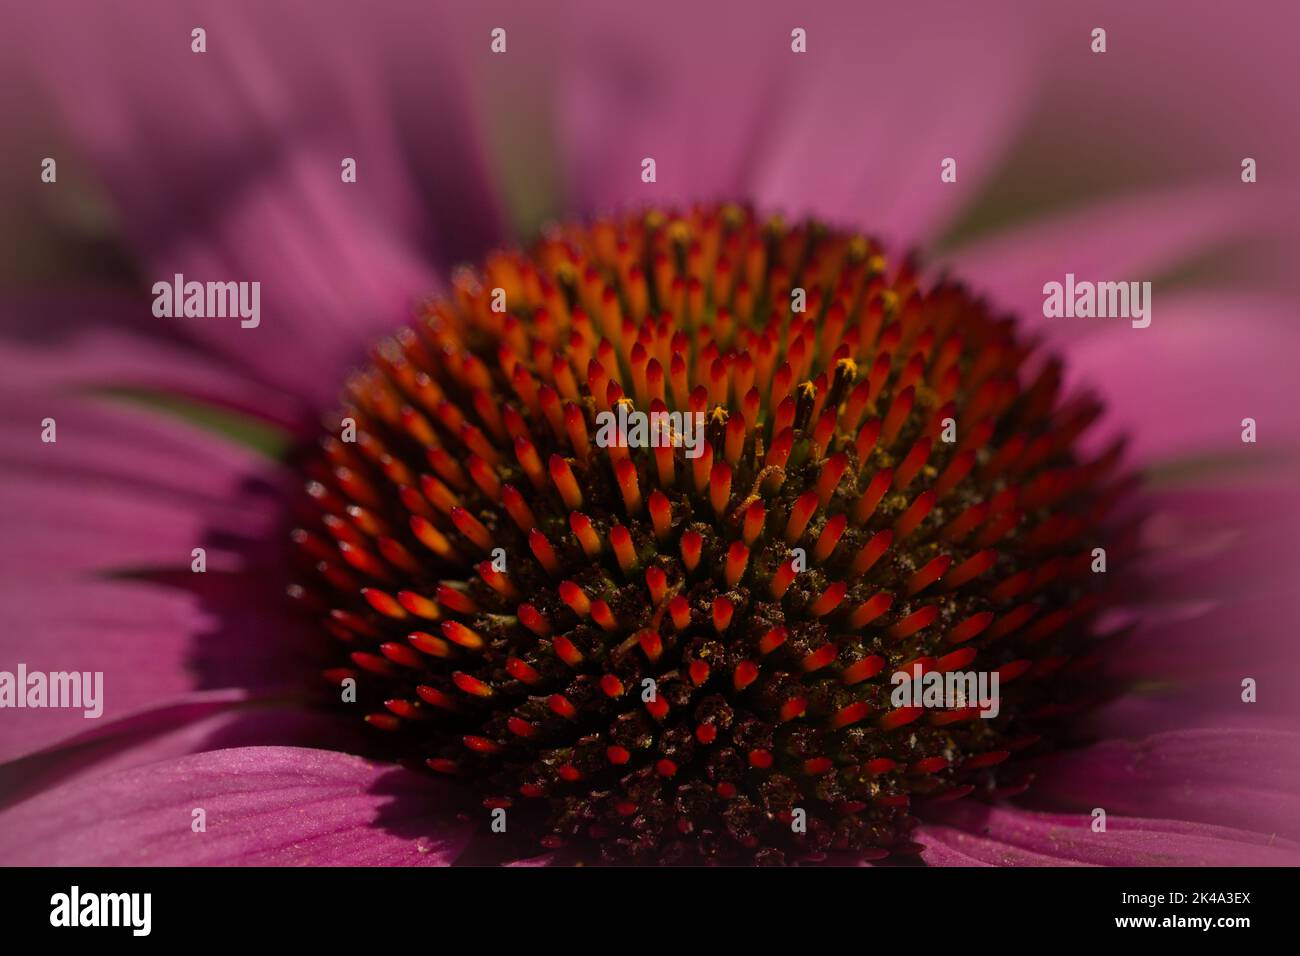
(695, 537)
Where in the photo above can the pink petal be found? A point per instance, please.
(1213, 650)
(859, 135)
(332, 279)
(1182, 386)
(129, 489)
(1216, 565)
(125, 490)
(34, 740)
(1227, 778)
(71, 520)
(268, 84)
(1202, 604)
(265, 806)
(199, 722)
(64, 342)
(1222, 535)
(123, 485)
(242, 178)
(1237, 70)
(152, 644)
(970, 834)
(727, 110)
(1139, 237)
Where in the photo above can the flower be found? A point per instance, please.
(229, 170)
(675, 635)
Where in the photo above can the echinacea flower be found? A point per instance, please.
(497, 586)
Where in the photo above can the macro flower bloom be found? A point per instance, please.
(525, 680)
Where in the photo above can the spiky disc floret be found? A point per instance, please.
(657, 657)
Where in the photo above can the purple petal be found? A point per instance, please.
(332, 280)
(242, 182)
(113, 527)
(120, 491)
(39, 745)
(62, 342)
(1212, 650)
(126, 489)
(146, 487)
(268, 85)
(726, 109)
(861, 132)
(1219, 536)
(152, 646)
(1217, 563)
(1230, 778)
(1182, 386)
(1141, 237)
(203, 721)
(136, 637)
(970, 834)
(265, 806)
(1235, 69)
